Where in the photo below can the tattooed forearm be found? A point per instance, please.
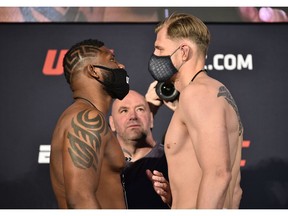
(223, 91)
(85, 139)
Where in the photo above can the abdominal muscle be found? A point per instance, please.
(184, 182)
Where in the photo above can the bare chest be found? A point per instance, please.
(113, 155)
(177, 135)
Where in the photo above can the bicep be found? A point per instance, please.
(81, 173)
(205, 120)
(81, 160)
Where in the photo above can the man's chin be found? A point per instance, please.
(135, 134)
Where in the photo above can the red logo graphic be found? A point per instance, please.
(245, 144)
(53, 63)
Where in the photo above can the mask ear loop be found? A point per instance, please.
(92, 72)
(183, 62)
(98, 77)
(176, 50)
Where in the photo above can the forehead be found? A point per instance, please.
(107, 51)
(131, 100)
(162, 39)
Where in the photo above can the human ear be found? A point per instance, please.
(111, 123)
(93, 72)
(186, 51)
(151, 120)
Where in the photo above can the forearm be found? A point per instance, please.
(153, 108)
(237, 196)
(212, 191)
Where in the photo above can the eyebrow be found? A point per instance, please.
(108, 51)
(158, 47)
(141, 106)
(122, 107)
(126, 107)
(110, 54)
(112, 51)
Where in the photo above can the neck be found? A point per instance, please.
(102, 103)
(85, 99)
(135, 150)
(188, 71)
(135, 154)
(202, 70)
(184, 79)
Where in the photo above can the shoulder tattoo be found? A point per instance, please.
(223, 91)
(85, 139)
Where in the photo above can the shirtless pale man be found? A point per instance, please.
(204, 138)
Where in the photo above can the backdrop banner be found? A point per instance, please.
(249, 58)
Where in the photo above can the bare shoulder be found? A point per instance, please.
(90, 120)
(86, 117)
(202, 97)
(82, 126)
(202, 90)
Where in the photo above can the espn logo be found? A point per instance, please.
(44, 154)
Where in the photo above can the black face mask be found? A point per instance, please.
(161, 67)
(118, 83)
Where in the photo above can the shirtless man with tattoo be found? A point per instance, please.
(86, 159)
(204, 138)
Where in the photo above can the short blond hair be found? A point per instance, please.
(186, 26)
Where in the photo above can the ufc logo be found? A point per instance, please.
(53, 62)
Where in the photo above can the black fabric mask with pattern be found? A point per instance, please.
(161, 67)
(118, 83)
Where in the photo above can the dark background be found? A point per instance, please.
(31, 101)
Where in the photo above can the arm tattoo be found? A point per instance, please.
(85, 139)
(223, 91)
